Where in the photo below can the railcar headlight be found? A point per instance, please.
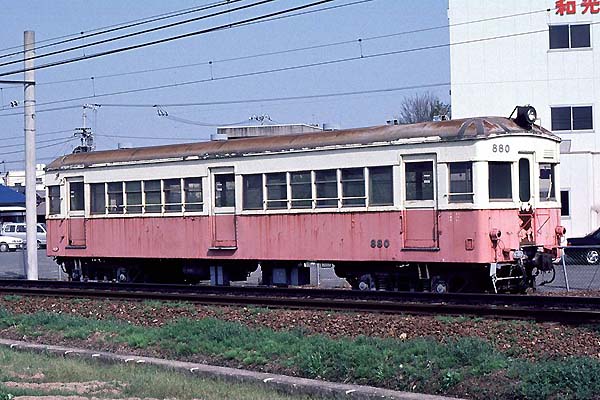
(526, 116)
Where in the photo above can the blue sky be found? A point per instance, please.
(143, 126)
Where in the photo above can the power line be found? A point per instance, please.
(296, 67)
(117, 27)
(40, 147)
(172, 38)
(147, 137)
(298, 49)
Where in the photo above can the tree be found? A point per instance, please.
(422, 107)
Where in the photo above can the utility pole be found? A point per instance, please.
(30, 170)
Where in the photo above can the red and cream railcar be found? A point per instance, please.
(454, 205)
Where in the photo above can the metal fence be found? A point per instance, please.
(577, 269)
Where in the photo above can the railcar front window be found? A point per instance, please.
(76, 200)
(353, 187)
(253, 192)
(225, 190)
(133, 194)
(419, 180)
(152, 196)
(98, 194)
(381, 186)
(54, 199)
(500, 180)
(301, 189)
(172, 191)
(115, 198)
(192, 188)
(547, 182)
(276, 190)
(461, 182)
(327, 190)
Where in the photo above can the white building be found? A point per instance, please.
(16, 178)
(540, 52)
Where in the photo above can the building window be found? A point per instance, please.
(54, 199)
(133, 197)
(419, 180)
(381, 187)
(115, 198)
(192, 188)
(152, 200)
(276, 190)
(572, 118)
(547, 182)
(225, 190)
(301, 189)
(327, 189)
(172, 191)
(461, 182)
(98, 194)
(353, 187)
(565, 207)
(253, 192)
(569, 36)
(500, 182)
(76, 199)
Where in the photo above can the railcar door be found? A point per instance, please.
(223, 219)
(527, 234)
(420, 215)
(76, 234)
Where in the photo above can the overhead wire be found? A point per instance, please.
(113, 28)
(168, 39)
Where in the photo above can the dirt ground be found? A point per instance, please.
(526, 339)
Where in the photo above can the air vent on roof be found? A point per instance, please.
(549, 154)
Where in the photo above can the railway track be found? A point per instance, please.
(574, 310)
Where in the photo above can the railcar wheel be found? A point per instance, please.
(439, 285)
(3, 248)
(592, 257)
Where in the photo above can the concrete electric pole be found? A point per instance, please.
(30, 170)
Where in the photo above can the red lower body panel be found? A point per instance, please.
(397, 236)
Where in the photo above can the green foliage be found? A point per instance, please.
(12, 297)
(415, 365)
(573, 378)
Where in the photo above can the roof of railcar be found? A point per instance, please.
(453, 130)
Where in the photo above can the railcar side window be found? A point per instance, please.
(327, 190)
(547, 182)
(225, 190)
(461, 182)
(419, 180)
(115, 198)
(98, 194)
(192, 188)
(276, 190)
(500, 180)
(54, 199)
(133, 196)
(381, 186)
(524, 180)
(253, 192)
(76, 200)
(301, 189)
(172, 192)
(353, 187)
(152, 196)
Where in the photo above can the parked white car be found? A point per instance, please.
(18, 230)
(9, 243)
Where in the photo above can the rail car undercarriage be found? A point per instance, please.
(514, 277)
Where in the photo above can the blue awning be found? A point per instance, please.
(9, 197)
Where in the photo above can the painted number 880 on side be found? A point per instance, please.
(500, 148)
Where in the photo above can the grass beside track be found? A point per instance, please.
(466, 366)
(25, 374)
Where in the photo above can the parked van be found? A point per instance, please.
(17, 229)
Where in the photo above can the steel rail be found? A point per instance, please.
(573, 310)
